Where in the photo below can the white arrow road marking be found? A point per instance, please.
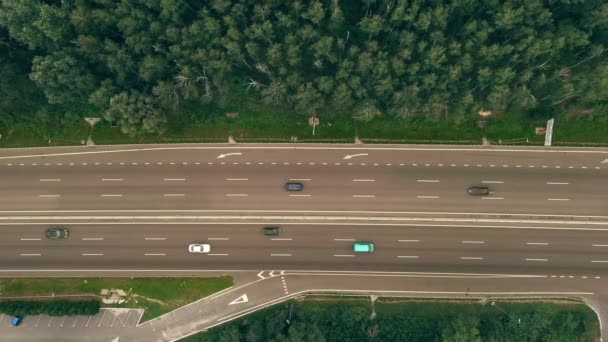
(350, 156)
(221, 156)
(240, 300)
(260, 275)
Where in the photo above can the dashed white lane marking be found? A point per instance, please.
(428, 181)
(30, 254)
(174, 195)
(30, 239)
(111, 195)
(217, 254)
(364, 196)
(92, 254)
(50, 180)
(427, 196)
(408, 256)
(532, 259)
(92, 239)
(155, 238)
(344, 239)
(280, 255)
(537, 243)
(300, 179)
(469, 241)
(558, 199)
(237, 195)
(218, 239)
(174, 179)
(471, 258)
(492, 182)
(599, 261)
(408, 240)
(49, 196)
(112, 179)
(492, 198)
(300, 195)
(364, 180)
(155, 254)
(599, 245)
(558, 183)
(281, 239)
(344, 255)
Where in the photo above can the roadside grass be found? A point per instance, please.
(418, 130)
(340, 318)
(156, 295)
(29, 135)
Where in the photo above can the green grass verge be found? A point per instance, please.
(340, 319)
(156, 295)
(418, 130)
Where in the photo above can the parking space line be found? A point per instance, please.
(50, 180)
(45, 196)
(531, 259)
(428, 181)
(468, 241)
(280, 255)
(127, 319)
(174, 179)
(492, 182)
(280, 239)
(218, 239)
(155, 238)
(111, 195)
(427, 196)
(112, 179)
(30, 239)
(92, 254)
(87, 324)
(344, 255)
(558, 199)
(237, 195)
(492, 198)
(217, 254)
(344, 239)
(237, 179)
(174, 195)
(30, 254)
(92, 239)
(537, 243)
(300, 195)
(471, 258)
(558, 183)
(155, 254)
(300, 179)
(364, 180)
(101, 320)
(407, 256)
(408, 240)
(364, 196)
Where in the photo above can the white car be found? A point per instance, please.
(199, 248)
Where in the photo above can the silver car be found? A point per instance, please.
(199, 248)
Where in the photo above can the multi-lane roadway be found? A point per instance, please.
(135, 209)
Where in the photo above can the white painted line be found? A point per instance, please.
(364, 180)
(111, 195)
(537, 259)
(280, 239)
(237, 179)
(599, 245)
(280, 255)
(537, 243)
(174, 179)
(155, 238)
(468, 241)
(344, 255)
(471, 258)
(300, 195)
(558, 199)
(92, 254)
(50, 180)
(300, 179)
(155, 254)
(408, 240)
(44, 196)
(427, 196)
(30, 254)
(112, 179)
(364, 196)
(599, 261)
(218, 239)
(217, 254)
(492, 182)
(558, 183)
(174, 195)
(237, 195)
(408, 256)
(428, 181)
(30, 239)
(492, 198)
(92, 239)
(344, 239)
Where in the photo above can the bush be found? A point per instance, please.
(52, 308)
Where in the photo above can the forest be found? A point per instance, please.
(141, 64)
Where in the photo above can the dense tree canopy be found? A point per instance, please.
(441, 59)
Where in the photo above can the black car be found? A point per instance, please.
(272, 230)
(479, 191)
(57, 233)
(294, 186)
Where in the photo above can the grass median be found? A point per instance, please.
(156, 295)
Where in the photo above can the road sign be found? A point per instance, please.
(549, 132)
(240, 300)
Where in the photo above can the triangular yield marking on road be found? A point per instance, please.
(241, 299)
(116, 339)
(605, 161)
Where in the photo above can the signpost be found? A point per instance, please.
(549, 133)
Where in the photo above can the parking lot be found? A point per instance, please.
(107, 318)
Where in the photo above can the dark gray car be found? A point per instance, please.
(294, 186)
(479, 191)
(272, 230)
(57, 233)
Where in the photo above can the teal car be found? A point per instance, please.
(363, 247)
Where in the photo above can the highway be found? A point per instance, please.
(133, 210)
